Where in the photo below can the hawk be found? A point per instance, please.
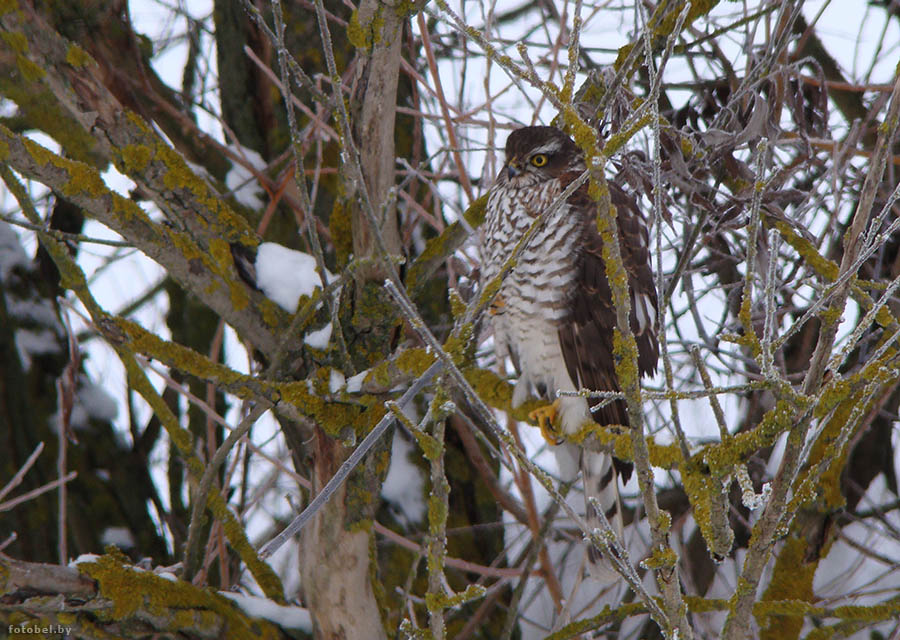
(554, 315)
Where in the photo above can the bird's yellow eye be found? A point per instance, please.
(539, 160)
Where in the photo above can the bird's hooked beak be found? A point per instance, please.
(513, 168)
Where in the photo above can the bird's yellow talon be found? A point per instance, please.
(544, 417)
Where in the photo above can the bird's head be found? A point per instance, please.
(536, 154)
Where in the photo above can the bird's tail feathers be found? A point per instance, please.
(601, 490)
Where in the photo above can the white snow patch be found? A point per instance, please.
(168, 575)
(78, 418)
(199, 169)
(82, 559)
(12, 254)
(354, 383)
(34, 343)
(335, 381)
(92, 402)
(284, 274)
(283, 616)
(404, 486)
(97, 402)
(41, 313)
(318, 339)
(241, 181)
(118, 536)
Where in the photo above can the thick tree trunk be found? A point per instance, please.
(335, 560)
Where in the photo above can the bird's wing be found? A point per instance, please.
(586, 339)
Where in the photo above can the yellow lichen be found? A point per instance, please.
(437, 512)
(341, 227)
(220, 250)
(457, 304)
(624, 53)
(584, 135)
(430, 446)
(30, 71)
(16, 41)
(661, 559)
(77, 57)
(822, 265)
(176, 606)
(8, 5)
(618, 140)
(489, 292)
(475, 212)
(722, 456)
(792, 580)
(407, 8)
(332, 417)
(136, 157)
(697, 486)
(461, 347)
(84, 179)
(687, 147)
(409, 362)
(625, 355)
(365, 36)
(436, 602)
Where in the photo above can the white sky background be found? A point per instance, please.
(115, 286)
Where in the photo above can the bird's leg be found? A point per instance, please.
(545, 417)
(498, 305)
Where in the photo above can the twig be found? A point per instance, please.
(62, 442)
(25, 497)
(16, 480)
(532, 78)
(199, 500)
(573, 52)
(456, 563)
(654, 394)
(713, 400)
(853, 339)
(438, 508)
(767, 357)
(527, 559)
(763, 154)
(523, 481)
(487, 474)
(64, 236)
(656, 79)
(347, 466)
(835, 288)
(304, 80)
(439, 89)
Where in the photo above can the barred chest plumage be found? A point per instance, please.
(540, 282)
(535, 297)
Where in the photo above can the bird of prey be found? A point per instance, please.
(553, 315)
